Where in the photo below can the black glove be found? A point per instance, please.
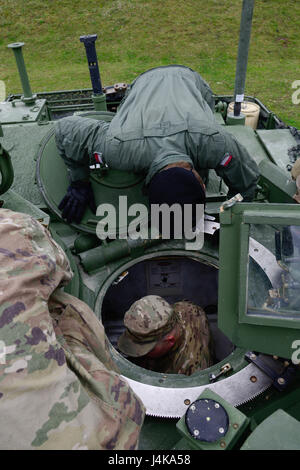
(78, 197)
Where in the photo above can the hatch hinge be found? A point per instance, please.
(281, 371)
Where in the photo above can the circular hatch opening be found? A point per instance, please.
(174, 278)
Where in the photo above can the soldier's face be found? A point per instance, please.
(166, 343)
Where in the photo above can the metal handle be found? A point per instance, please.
(90, 49)
(242, 59)
(28, 98)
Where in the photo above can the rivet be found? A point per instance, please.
(196, 432)
(221, 430)
(187, 402)
(222, 444)
(235, 426)
(217, 405)
(252, 356)
(207, 418)
(281, 380)
(253, 378)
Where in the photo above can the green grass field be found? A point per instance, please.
(134, 35)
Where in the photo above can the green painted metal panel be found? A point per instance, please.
(246, 283)
(13, 201)
(276, 183)
(237, 423)
(22, 142)
(280, 431)
(14, 112)
(277, 143)
(247, 137)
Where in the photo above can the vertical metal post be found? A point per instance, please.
(98, 97)
(28, 98)
(243, 50)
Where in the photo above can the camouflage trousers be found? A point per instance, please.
(59, 388)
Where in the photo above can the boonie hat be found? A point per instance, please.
(147, 321)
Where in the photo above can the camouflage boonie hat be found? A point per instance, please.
(147, 321)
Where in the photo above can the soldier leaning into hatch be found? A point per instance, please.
(59, 388)
(164, 128)
(170, 339)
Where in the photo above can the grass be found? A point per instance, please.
(134, 35)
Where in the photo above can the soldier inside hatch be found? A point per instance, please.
(165, 129)
(170, 339)
(60, 389)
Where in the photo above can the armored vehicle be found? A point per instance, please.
(246, 276)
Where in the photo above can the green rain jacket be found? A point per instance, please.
(165, 117)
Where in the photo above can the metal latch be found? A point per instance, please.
(231, 202)
(120, 278)
(224, 369)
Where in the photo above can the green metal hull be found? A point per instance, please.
(26, 139)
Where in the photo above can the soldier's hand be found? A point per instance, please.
(78, 197)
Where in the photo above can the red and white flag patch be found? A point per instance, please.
(226, 160)
(98, 157)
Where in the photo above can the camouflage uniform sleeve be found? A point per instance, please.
(57, 389)
(196, 350)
